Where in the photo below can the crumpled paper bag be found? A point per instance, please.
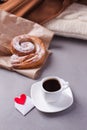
(11, 26)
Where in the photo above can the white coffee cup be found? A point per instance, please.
(52, 88)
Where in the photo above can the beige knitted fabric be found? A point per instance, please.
(71, 23)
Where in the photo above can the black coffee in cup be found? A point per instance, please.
(51, 85)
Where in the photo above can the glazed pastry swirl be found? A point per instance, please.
(28, 52)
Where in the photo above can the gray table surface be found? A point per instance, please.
(69, 62)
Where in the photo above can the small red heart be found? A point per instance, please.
(21, 100)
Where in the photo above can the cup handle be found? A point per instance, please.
(65, 85)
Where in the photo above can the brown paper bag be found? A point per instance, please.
(27, 6)
(82, 2)
(11, 26)
(19, 7)
(40, 11)
(48, 10)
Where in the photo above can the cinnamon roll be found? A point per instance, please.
(28, 52)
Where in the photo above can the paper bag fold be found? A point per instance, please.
(11, 26)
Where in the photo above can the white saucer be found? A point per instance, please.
(64, 101)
